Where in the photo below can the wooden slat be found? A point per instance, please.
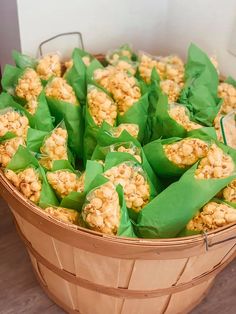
(182, 302)
(148, 306)
(40, 241)
(198, 265)
(57, 286)
(125, 272)
(150, 275)
(91, 302)
(65, 255)
(97, 268)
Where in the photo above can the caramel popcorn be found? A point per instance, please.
(27, 182)
(131, 149)
(145, 67)
(229, 193)
(216, 164)
(102, 212)
(217, 126)
(119, 53)
(63, 214)
(171, 89)
(132, 129)
(124, 90)
(135, 185)
(32, 106)
(103, 76)
(226, 126)
(179, 114)
(69, 64)
(8, 149)
(29, 85)
(101, 107)
(228, 93)
(59, 89)
(212, 216)
(122, 86)
(214, 61)
(49, 65)
(186, 152)
(64, 182)
(86, 60)
(14, 122)
(168, 68)
(54, 148)
(171, 68)
(123, 65)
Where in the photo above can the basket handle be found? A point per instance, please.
(80, 37)
(209, 244)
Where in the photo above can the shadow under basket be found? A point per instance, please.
(89, 273)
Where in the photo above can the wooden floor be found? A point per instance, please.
(21, 294)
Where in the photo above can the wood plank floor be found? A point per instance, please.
(21, 294)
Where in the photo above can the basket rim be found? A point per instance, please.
(116, 239)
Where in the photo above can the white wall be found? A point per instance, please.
(156, 26)
(208, 23)
(104, 24)
(9, 30)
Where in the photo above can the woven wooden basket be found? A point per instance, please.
(90, 273)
